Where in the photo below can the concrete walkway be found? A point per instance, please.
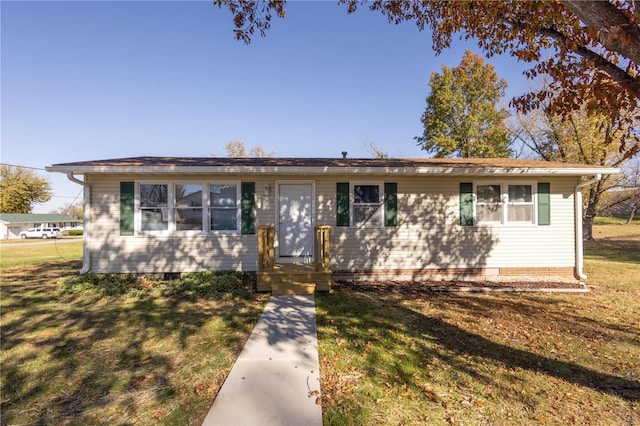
(276, 378)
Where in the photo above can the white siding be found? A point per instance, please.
(111, 252)
(428, 235)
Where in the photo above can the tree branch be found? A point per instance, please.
(616, 31)
(614, 71)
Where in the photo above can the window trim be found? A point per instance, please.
(175, 207)
(172, 207)
(236, 231)
(352, 204)
(533, 203)
(501, 203)
(138, 211)
(504, 203)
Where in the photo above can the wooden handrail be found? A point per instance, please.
(266, 247)
(321, 247)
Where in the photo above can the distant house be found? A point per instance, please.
(351, 218)
(11, 224)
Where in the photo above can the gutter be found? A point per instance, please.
(579, 273)
(86, 253)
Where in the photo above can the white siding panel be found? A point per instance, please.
(541, 246)
(428, 235)
(111, 252)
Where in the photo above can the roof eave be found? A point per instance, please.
(296, 170)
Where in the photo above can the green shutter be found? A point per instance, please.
(126, 208)
(248, 208)
(466, 203)
(342, 204)
(390, 204)
(544, 203)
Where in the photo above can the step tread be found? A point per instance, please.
(293, 288)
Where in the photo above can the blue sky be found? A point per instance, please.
(97, 80)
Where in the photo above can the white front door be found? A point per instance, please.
(295, 230)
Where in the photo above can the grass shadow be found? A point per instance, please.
(614, 249)
(403, 344)
(84, 359)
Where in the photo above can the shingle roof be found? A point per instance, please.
(319, 162)
(36, 218)
(325, 165)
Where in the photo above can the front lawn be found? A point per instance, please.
(31, 252)
(74, 355)
(85, 353)
(483, 359)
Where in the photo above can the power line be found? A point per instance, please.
(22, 167)
(38, 168)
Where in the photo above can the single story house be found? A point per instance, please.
(352, 218)
(12, 224)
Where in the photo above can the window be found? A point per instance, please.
(488, 203)
(520, 204)
(188, 207)
(504, 203)
(367, 205)
(154, 207)
(224, 206)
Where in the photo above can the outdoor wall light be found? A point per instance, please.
(267, 189)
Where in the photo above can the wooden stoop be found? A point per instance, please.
(294, 278)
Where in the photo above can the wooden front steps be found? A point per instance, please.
(293, 288)
(294, 278)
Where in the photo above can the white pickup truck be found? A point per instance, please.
(40, 233)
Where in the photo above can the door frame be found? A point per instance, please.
(311, 183)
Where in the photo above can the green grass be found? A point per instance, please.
(615, 220)
(32, 254)
(140, 354)
(614, 242)
(443, 359)
(74, 355)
